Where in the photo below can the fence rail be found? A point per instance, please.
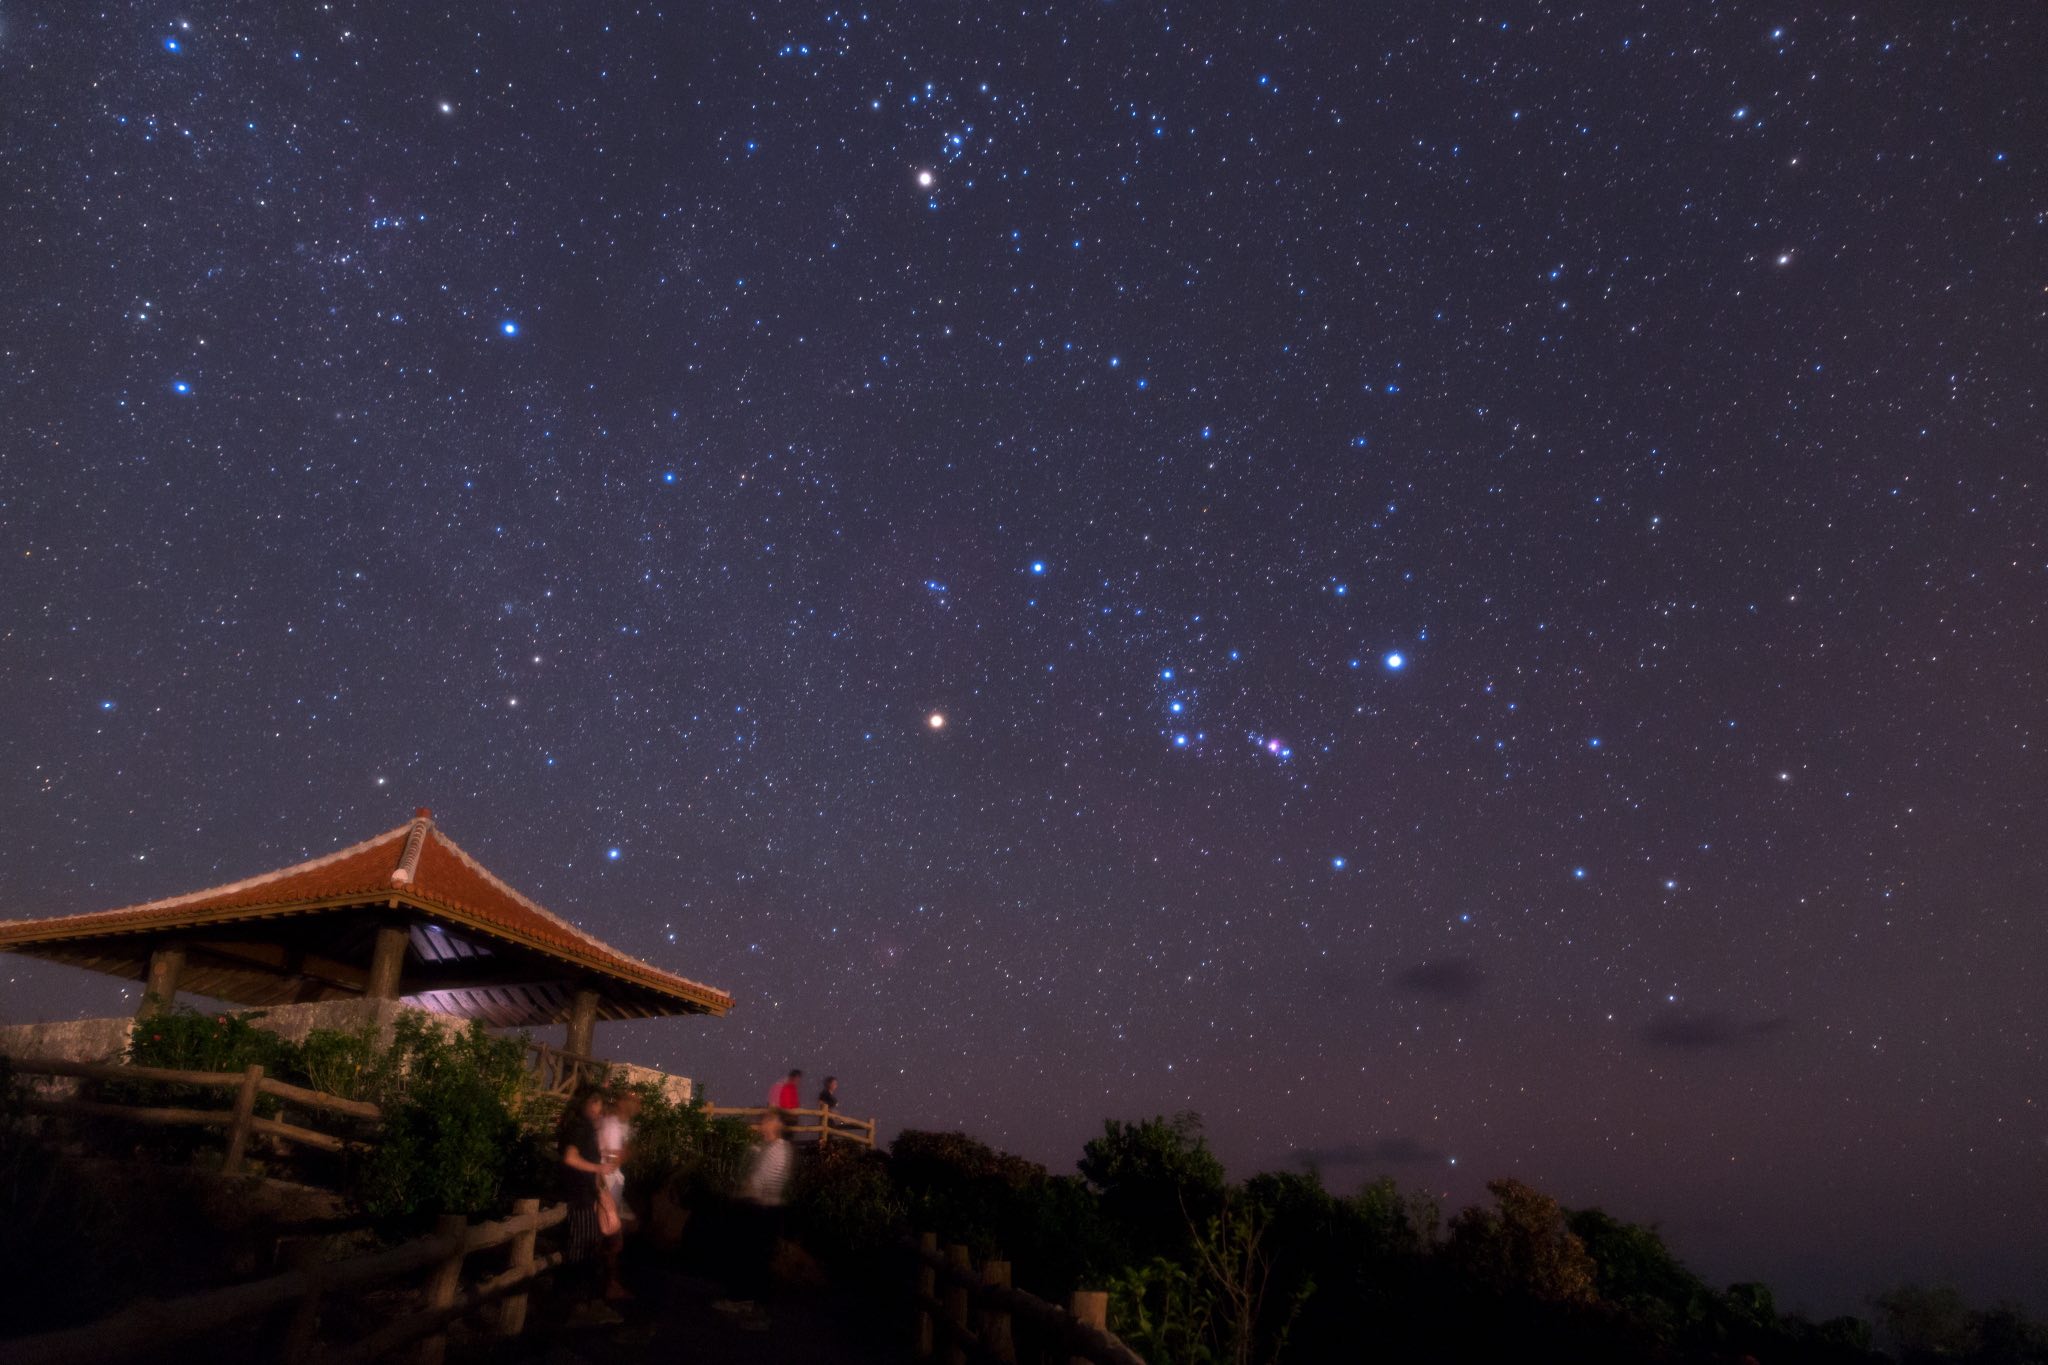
(556, 1072)
(146, 1328)
(978, 1313)
(240, 1121)
(821, 1125)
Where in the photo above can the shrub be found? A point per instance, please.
(451, 1128)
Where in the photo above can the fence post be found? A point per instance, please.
(512, 1313)
(995, 1319)
(1090, 1308)
(927, 1290)
(441, 1286)
(958, 1260)
(305, 1324)
(238, 1130)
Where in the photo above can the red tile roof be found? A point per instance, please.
(414, 864)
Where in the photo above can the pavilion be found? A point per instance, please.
(406, 918)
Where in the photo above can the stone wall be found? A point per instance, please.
(69, 1040)
(106, 1040)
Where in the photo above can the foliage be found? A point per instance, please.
(183, 1039)
(1157, 1179)
(683, 1149)
(1637, 1273)
(451, 1133)
(344, 1062)
(1523, 1246)
(1165, 1313)
(1051, 1228)
(1934, 1323)
(845, 1208)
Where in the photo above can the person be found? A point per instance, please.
(758, 1217)
(785, 1093)
(582, 1172)
(828, 1103)
(614, 1141)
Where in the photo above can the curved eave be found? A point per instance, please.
(28, 936)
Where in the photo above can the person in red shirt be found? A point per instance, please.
(787, 1093)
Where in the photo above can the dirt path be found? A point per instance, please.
(672, 1322)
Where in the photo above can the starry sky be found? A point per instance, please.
(1481, 568)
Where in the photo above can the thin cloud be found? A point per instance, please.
(1446, 978)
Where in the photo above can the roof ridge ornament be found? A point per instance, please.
(409, 861)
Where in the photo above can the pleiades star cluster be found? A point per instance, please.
(1456, 588)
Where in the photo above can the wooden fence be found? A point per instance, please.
(147, 1328)
(819, 1125)
(240, 1121)
(556, 1072)
(965, 1311)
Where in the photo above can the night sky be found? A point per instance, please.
(1459, 590)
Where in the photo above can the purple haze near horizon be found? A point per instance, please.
(1483, 567)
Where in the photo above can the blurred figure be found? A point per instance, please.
(615, 1141)
(583, 1171)
(758, 1219)
(786, 1093)
(828, 1104)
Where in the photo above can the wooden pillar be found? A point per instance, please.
(160, 986)
(927, 1290)
(387, 962)
(996, 1337)
(512, 1312)
(1090, 1308)
(582, 1023)
(961, 1264)
(442, 1286)
(238, 1129)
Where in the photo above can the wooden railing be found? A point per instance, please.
(818, 1125)
(963, 1311)
(148, 1328)
(240, 1121)
(556, 1072)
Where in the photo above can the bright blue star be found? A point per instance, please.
(612, 853)
(1593, 743)
(180, 386)
(1038, 566)
(1205, 433)
(1167, 674)
(509, 327)
(106, 706)
(1180, 741)
(1342, 589)
(1395, 663)
(1337, 863)
(1115, 362)
(669, 477)
(1579, 874)
(171, 45)
(1175, 707)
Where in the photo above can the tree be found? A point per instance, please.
(1158, 1179)
(1524, 1246)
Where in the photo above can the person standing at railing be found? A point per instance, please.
(828, 1105)
(787, 1093)
(758, 1218)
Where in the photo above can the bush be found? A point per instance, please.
(451, 1133)
(684, 1150)
(1158, 1180)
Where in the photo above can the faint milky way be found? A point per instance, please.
(1471, 578)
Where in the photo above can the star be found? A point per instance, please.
(925, 179)
(936, 720)
(1395, 663)
(509, 327)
